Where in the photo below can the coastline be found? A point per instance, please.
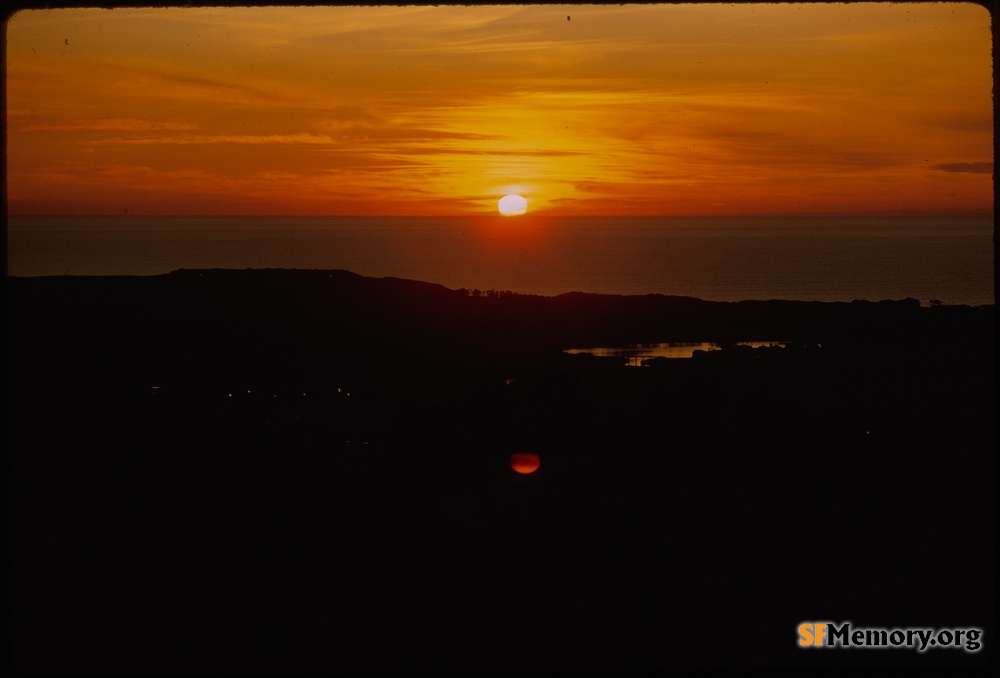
(721, 259)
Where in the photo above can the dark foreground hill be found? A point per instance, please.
(218, 471)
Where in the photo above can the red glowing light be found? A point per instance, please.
(525, 462)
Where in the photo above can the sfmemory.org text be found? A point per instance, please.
(828, 635)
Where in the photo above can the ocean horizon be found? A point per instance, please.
(946, 259)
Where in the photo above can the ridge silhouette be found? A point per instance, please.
(288, 470)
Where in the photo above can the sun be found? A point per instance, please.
(512, 205)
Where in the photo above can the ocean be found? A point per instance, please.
(714, 258)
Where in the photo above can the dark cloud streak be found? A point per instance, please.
(985, 167)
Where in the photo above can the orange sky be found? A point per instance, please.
(636, 109)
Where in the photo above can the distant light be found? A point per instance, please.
(525, 462)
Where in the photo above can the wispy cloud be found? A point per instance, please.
(985, 167)
(189, 139)
(111, 124)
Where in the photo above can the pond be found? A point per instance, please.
(636, 353)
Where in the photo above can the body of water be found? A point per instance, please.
(713, 258)
(637, 353)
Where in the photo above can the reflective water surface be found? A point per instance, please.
(636, 353)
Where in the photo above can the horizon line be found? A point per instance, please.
(523, 217)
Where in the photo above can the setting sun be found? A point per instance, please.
(512, 205)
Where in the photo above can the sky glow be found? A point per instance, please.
(602, 110)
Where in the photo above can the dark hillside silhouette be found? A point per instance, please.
(278, 470)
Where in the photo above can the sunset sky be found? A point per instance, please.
(602, 110)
